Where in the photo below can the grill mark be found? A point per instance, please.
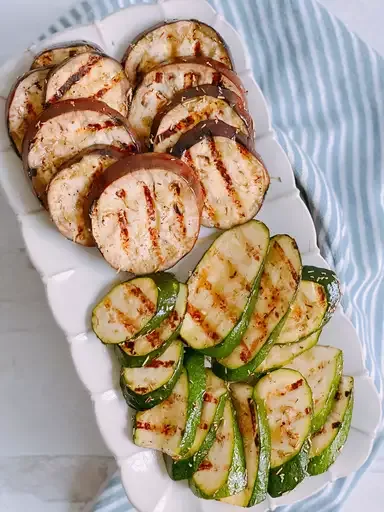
(210, 212)
(217, 78)
(157, 363)
(234, 272)
(287, 261)
(115, 80)
(219, 301)
(291, 387)
(178, 207)
(124, 234)
(154, 338)
(251, 406)
(245, 353)
(191, 79)
(128, 323)
(232, 194)
(210, 398)
(146, 303)
(206, 465)
(142, 390)
(200, 319)
(151, 214)
(197, 48)
(166, 430)
(76, 77)
(95, 127)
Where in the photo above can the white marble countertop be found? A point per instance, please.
(52, 457)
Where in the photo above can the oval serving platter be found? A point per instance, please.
(76, 278)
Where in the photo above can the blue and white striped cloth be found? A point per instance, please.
(325, 90)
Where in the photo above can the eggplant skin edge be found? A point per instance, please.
(147, 31)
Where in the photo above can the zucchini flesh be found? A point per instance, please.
(139, 351)
(329, 440)
(145, 387)
(194, 364)
(212, 473)
(161, 428)
(288, 402)
(307, 313)
(254, 430)
(279, 283)
(219, 287)
(322, 368)
(125, 310)
(281, 355)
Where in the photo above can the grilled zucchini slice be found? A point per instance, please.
(141, 350)
(330, 439)
(316, 300)
(322, 367)
(144, 388)
(214, 400)
(135, 308)
(279, 282)
(281, 355)
(253, 425)
(288, 401)
(222, 287)
(161, 428)
(222, 473)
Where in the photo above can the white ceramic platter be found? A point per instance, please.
(76, 278)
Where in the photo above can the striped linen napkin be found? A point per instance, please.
(325, 89)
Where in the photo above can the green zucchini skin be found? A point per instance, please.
(286, 477)
(243, 372)
(331, 284)
(168, 288)
(194, 364)
(136, 361)
(237, 477)
(231, 341)
(320, 463)
(260, 488)
(149, 400)
(183, 469)
(281, 355)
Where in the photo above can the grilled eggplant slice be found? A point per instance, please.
(161, 84)
(322, 367)
(222, 473)
(288, 401)
(25, 102)
(220, 287)
(135, 308)
(89, 75)
(254, 429)
(56, 54)
(330, 439)
(281, 355)
(146, 387)
(167, 41)
(232, 176)
(146, 214)
(68, 190)
(214, 400)
(65, 129)
(140, 350)
(278, 287)
(316, 300)
(190, 106)
(161, 428)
